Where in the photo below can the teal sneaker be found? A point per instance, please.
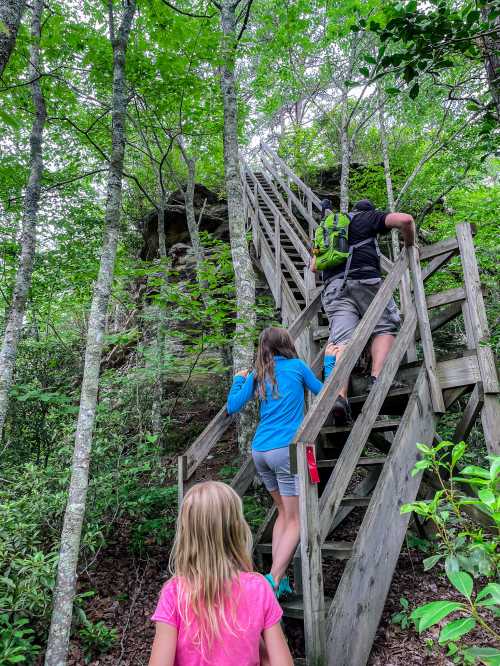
(272, 583)
(284, 587)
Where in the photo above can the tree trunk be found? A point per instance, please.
(159, 385)
(28, 237)
(345, 151)
(57, 645)
(243, 269)
(491, 49)
(11, 12)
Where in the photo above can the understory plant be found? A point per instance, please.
(469, 552)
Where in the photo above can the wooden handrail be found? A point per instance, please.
(316, 416)
(298, 203)
(300, 184)
(292, 235)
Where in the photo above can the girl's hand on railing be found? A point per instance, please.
(242, 373)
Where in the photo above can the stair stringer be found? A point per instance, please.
(355, 611)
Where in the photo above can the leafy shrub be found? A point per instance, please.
(465, 549)
(461, 544)
(96, 638)
(16, 641)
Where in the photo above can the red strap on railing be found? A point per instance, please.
(311, 463)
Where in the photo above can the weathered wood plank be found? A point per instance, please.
(323, 403)
(442, 247)
(243, 479)
(435, 264)
(292, 235)
(490, 414)
(385, 424)
(425, 331)
(201, 446)
(470, 414)
(286, 169)
(291, 196)
(477, 310)
(338, 550)
(445, 297)
(312, 572)
(336, 486)
(366, 461)
(355, 612)
(302, 321)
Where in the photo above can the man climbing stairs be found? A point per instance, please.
(365, 468)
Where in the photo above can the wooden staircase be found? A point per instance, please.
(365, 468)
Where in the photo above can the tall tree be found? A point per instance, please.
(11, 12)
(243, 269)
(22, 285)
(57, 645)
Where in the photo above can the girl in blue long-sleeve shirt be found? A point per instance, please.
(278, 382)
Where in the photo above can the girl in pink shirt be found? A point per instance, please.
(216, 611)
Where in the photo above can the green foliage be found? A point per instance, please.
(402, 617)
(16, 641)
(465, 549)
(461, 544)
(96, 639)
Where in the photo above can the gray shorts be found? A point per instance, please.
(345, 310)
(273, 467)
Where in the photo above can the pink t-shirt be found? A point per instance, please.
(256, 609)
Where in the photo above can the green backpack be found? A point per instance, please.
(331, 246)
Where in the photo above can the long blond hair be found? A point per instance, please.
(212, 545)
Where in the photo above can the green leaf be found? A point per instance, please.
(487, 496)
(461, 581)
(451, 564)
(474, 470)
(434, 612)
(486, 655)
(491, 590)
(430, 562)
(414, 90)
(457, 452)
(456, 628)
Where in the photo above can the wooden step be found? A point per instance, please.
(385, 424)
(366, 461)
(293, 607)
(355, 500)
(337, 550)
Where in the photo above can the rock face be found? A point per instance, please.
(214, 220)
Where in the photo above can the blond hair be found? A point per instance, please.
(212, 545)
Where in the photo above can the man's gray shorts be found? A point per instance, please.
(273, 467)
(346, 309)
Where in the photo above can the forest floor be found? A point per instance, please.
(127, 586)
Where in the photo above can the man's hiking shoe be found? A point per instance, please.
(284, 588)
(342, 412)
(395, 384)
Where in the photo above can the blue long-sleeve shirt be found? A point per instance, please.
(281, 414)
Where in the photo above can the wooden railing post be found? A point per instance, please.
(425, 331)
(490, 413)
(312, 572)
(277, 249)
(404, 294)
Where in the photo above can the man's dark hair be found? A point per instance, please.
(326, 204)
(363, 204)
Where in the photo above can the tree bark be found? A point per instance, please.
(345, 151)
(243, 269)
(30, 213)
(491, 50)
(58, 641)
(159, 385)
(11, 12)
